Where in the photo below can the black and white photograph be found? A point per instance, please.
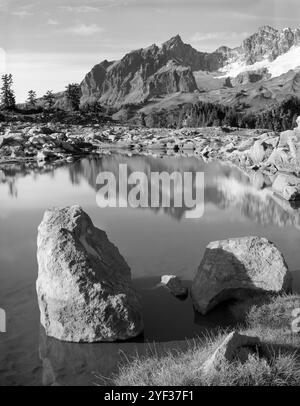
(150, 196)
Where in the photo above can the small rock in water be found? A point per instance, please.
(174, 284)
(84, 284)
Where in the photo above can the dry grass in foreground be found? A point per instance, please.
(268, 318)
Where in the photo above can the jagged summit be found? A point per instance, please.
(143, 73)
(267, 28)
(174, 41)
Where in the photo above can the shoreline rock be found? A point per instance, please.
(236, 269)
(84, 284)
(287, 187)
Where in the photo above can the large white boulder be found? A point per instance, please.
(287, 186)
(237, 267)
(297, 130)
(257, 152)
(291, 140)
(84, 284)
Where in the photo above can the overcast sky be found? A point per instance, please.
(48, 44)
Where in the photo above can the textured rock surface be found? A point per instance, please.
(234, 347)
(269, 43)
(171, 79)
(134, 78)
(174, 284)
(235, 268)
(250, 77)
(84, 284)
(287, 186)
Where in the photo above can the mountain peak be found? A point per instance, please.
(174, 41)
(267, 28)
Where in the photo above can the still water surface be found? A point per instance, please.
(153, 242)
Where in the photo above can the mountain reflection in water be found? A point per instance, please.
(225, 186)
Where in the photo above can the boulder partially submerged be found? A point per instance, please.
(174, 285)
(235, 268)
(84, 284)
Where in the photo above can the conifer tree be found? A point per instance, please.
(7, 96)
(73, 94)
(49, 99)
(31, 99)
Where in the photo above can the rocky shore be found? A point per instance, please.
(271, 158)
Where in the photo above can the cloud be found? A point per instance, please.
(85, 29)
(221, 37)
(80, 9)
(94, 5)
(22, 13)
(3, 3)
(199, 37)
(51, 21)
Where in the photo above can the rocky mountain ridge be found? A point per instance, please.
(269, 43)
(175, 67)
(148, 72)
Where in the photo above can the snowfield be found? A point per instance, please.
(284, 63)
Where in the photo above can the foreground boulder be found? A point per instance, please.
(235, 347)
(84, 284)
(238, 267)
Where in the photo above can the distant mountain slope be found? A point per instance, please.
(268, 43)
(139, 75)
(262, 71)
(276, 67)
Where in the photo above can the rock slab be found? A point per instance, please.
(235, 268)
(235, 347)
(84, 284)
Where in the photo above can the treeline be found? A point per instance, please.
(63, 107)
(47, 101)
(279, 118)
(66, 107)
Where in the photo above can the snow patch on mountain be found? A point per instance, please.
(282, 64)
